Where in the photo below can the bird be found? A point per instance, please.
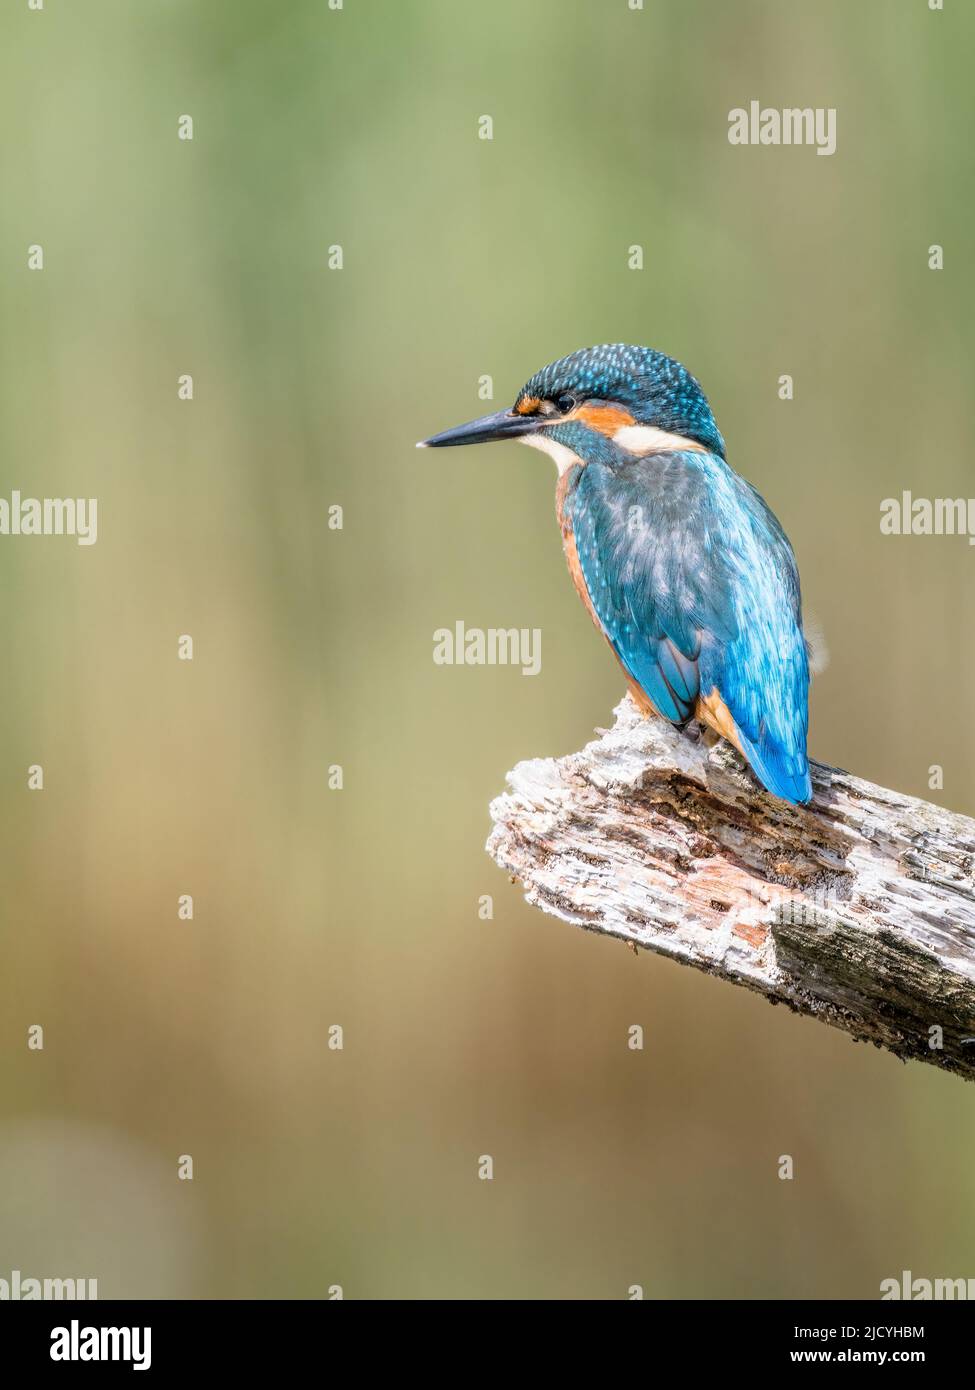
(681, 564)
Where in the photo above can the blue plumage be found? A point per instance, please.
(686, 570)
(696, 588)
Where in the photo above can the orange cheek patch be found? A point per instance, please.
(607, 419)
(528, 406)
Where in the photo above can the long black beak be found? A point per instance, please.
(503, 424)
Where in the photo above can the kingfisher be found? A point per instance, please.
(680, 562)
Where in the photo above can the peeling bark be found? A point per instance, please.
(858, 909)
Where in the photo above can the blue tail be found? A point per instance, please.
(784, 775)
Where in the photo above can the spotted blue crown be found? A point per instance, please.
(654, 388)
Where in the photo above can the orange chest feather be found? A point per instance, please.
(570, 547)
(578, 579)
(711, 709)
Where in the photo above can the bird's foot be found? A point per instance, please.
(698, 732)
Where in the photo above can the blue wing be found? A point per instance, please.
(695, 585)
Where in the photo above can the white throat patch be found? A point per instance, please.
(647, 439)
(565, 458)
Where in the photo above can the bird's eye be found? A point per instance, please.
(565, 403)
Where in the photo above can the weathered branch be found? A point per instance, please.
(858, 910)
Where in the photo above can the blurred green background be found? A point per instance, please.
(313, 647)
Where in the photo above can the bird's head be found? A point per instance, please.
(600, 403)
